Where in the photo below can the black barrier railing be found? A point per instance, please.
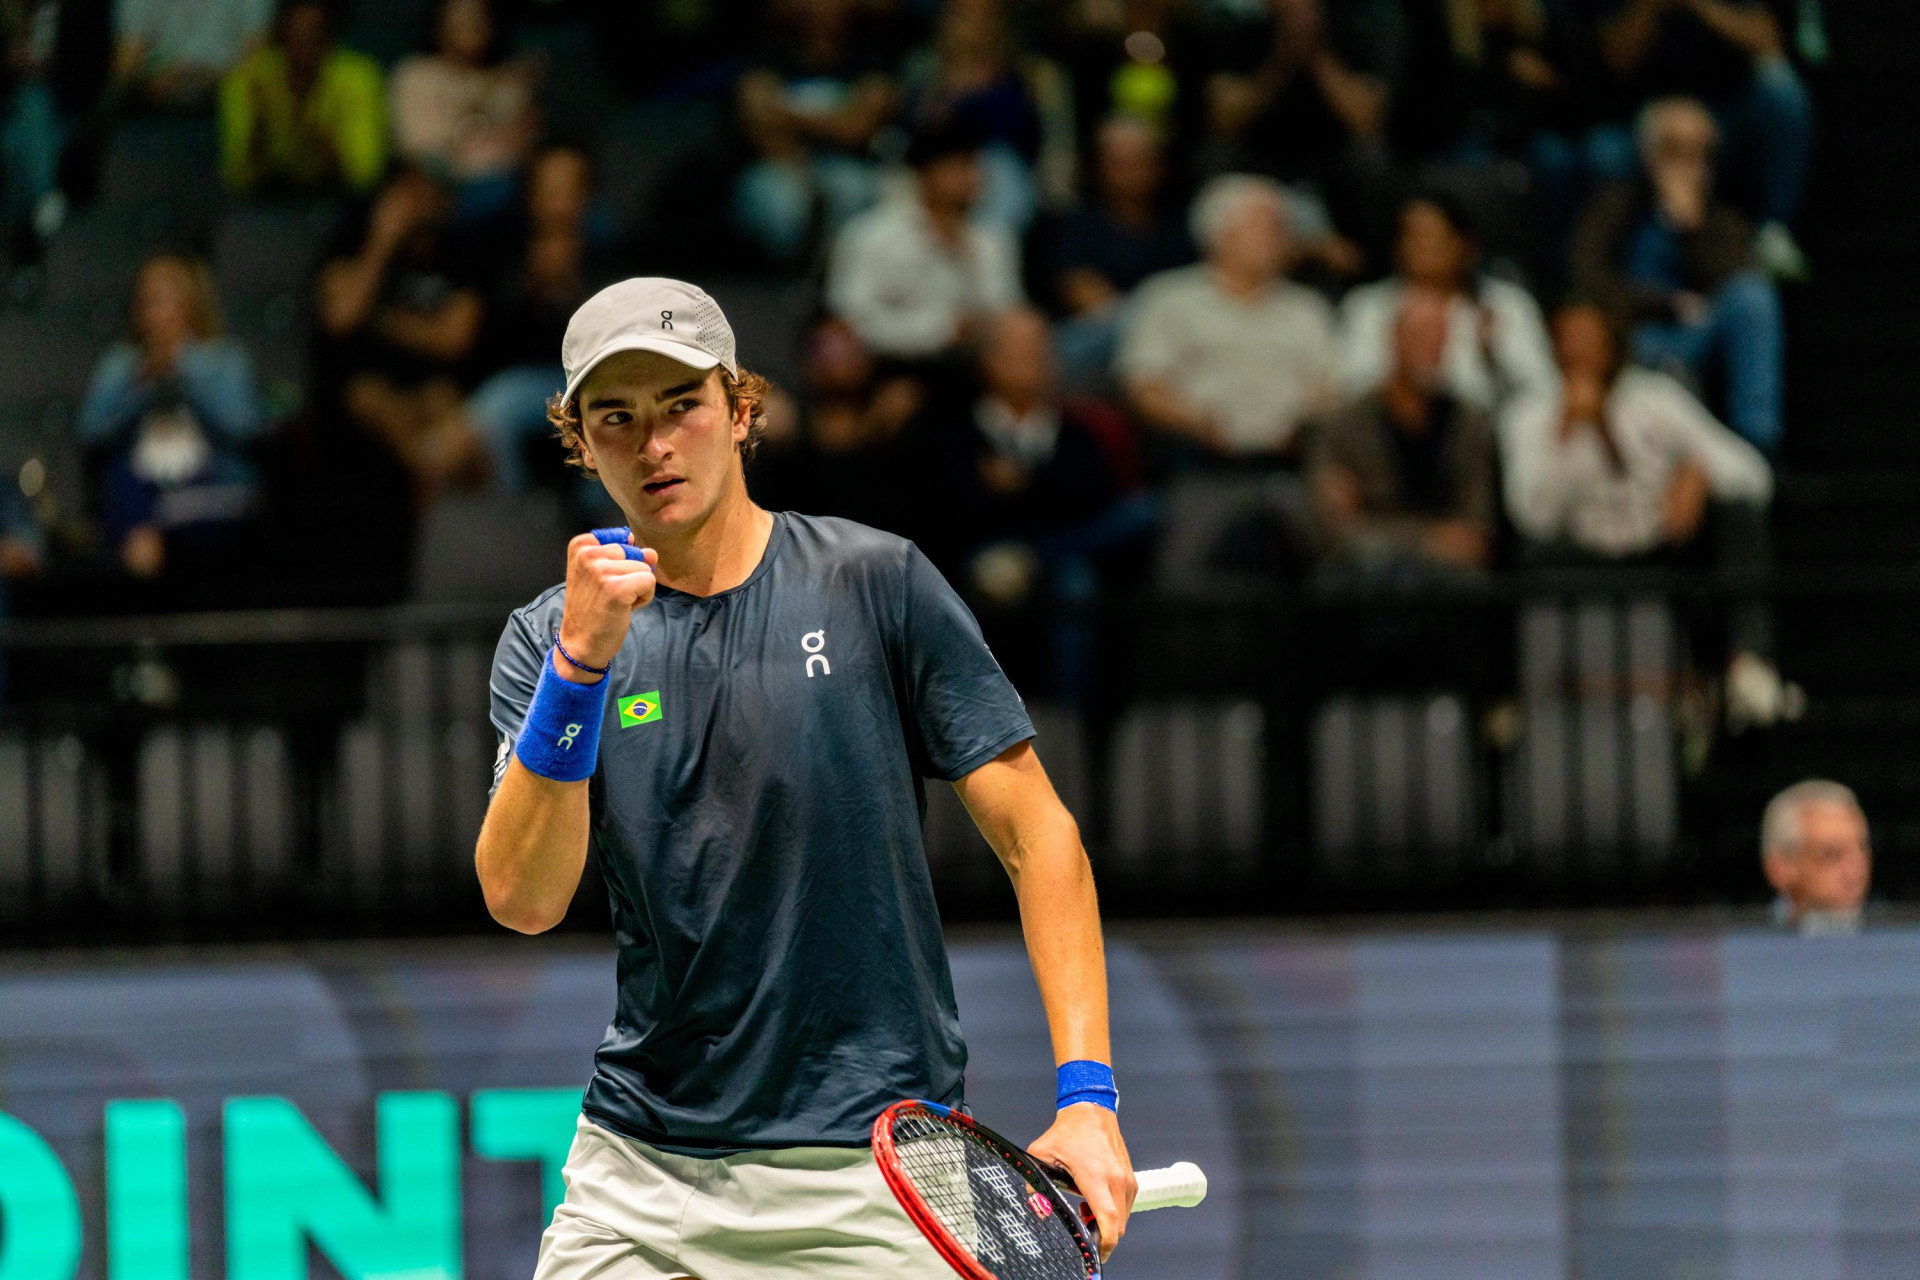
(1527, 740)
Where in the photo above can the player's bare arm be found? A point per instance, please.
(1015, 806)
(533, 845)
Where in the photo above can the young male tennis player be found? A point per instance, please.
(738, 719)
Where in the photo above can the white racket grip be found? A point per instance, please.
(1180, 1185)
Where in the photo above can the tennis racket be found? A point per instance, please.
(990, 1209)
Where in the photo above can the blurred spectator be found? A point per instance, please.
(1816, 853)
(172, 54)
(31, 128)
(1303, 93)
(1100, 249)
(1017, 104)
(819, 87)
(303, 116)
(1496, 342)
(464, 115)
(1624, 465)
(1227, 355)
(1020, 462)
(565, 256)
(1403, 476)
(401, 315)
(1031, 490)
(1668, 252)
(1125, 233)
(168, 421)
(852, 454)
(1732, 55)
(912, 274)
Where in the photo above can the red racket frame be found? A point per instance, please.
(929, 1223)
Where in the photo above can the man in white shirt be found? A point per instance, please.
(1229, 354)
(1623, 464)
(1497, 345)
(911, 275)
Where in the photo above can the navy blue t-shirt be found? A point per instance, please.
(757, 817)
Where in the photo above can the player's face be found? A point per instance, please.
(663, 438)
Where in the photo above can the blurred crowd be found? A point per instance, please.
(1096, 292)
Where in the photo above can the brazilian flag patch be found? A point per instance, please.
(640, 708)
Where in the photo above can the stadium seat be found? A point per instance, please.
(168, 160)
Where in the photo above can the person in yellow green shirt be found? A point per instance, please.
(301, 115)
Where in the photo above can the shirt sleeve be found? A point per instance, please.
(963, 710)
(1148, 348)
(1538, 486)
(1736, 471)
(517, 661)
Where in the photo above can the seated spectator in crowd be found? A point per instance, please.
(1021, 462)
(1403, 477)
(172, 54)
(1816, 854)
(1125, 233)
(1228, 356)
(565, 256)
(1497, 342)
(1304, 93)
(1018, 105)
(1732, 55)
(400, 314)
(1030, 489)
(1099, 250)
(818, 89)
(1623, 465)
(303, 116)
(912, 274)
(852, 453)
(1670, 253)
(168, 422)
(465, 116)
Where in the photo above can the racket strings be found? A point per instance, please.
(985, 1203)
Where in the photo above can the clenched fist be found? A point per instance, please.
(607, 579)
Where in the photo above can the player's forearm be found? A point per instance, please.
(532, 849)
(1060, 915)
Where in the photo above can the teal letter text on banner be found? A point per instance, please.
(285, 1185)
(39, 1213)
(146, 1191)
(528, 1124)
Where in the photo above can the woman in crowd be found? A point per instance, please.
(168, 421)
(463, 115)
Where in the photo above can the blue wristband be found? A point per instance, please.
(561, 736)
(1084, 1080)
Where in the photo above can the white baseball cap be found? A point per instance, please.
(648, 313)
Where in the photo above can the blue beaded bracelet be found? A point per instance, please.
(575, 662)
(1084, 1080)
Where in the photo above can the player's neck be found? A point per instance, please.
(721, 552)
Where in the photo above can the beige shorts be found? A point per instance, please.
(636, 1213)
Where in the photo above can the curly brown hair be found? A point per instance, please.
(745, 386)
